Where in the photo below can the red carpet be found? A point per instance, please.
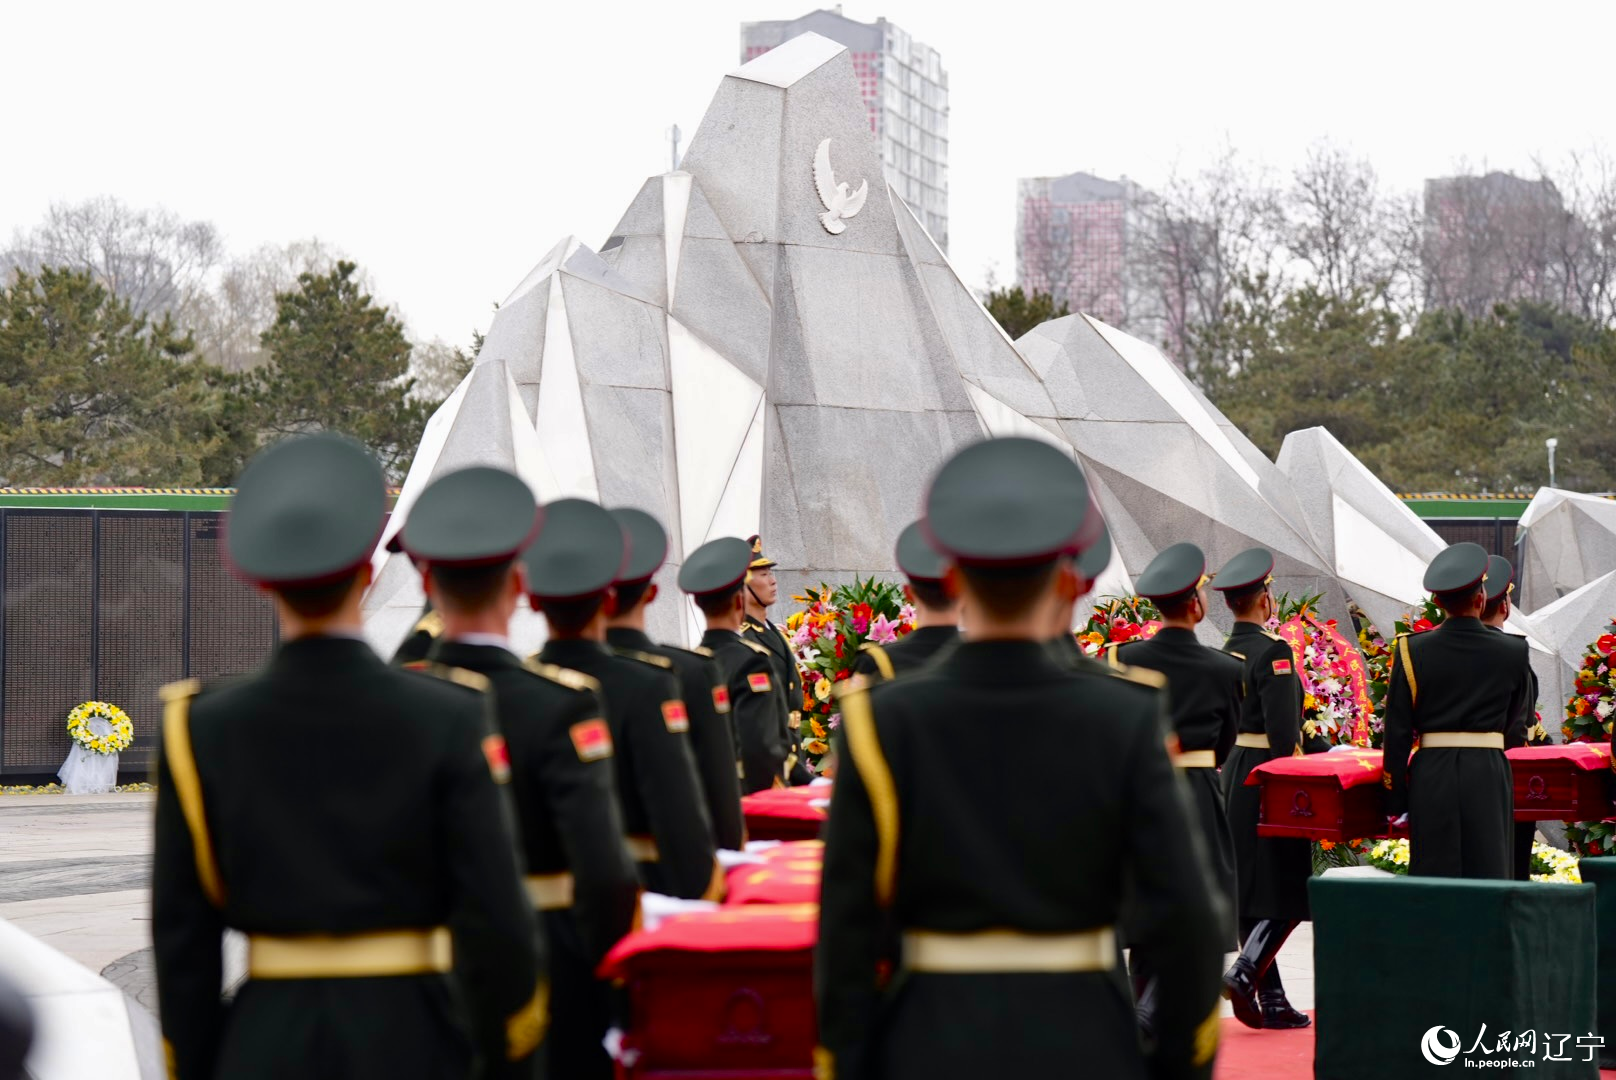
(1244, 1054)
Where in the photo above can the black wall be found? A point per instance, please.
(111, 605)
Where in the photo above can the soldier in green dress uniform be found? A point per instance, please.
(761, 593)
(936, 612)
(345, 816)
(714, 575)
(1204, 690)
(1063, 640)
(1273, 872)
(1465, 691)
(466, 532)
(1500, 588)
(570, 570)
(975, 866)
(701, 683)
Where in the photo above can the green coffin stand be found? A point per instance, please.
(1602, 873)
(1398, 960)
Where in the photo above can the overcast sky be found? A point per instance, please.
(447, 147)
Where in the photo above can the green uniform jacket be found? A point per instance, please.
(774, 639)
(656, 772)
(718, 759)
(1273, 872)
(757, 707)
(913, 650)
(1204, 690)
(1460, 802)
(338, 796)
(569, 822)
(1027, 837)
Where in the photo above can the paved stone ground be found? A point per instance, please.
(75, 872)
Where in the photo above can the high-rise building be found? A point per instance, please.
(1498, 238)
(906, 90)
(1072, 241)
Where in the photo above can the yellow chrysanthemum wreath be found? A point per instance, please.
(114, 741)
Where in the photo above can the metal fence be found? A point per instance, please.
(111, 605)
(1497, 535)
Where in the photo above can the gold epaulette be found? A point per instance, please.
(697, 650)
(1143, 676)
(176, 691)
(1237, 655)
(460, 676)
(1271, 634)
(755, 647)
(431, 623)
(572, 680)
(645, 658)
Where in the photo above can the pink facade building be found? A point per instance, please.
(906, 92)
(1072, 241)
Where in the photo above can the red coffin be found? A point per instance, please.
(795, 813)
(723, 995)
(1336, 796)
(788, 874)
(1561, 783)
(1332, 796)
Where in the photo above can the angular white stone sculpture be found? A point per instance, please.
(1568, 539)
(1375, 544)
(729, 364)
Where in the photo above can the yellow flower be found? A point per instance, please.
(1309, 701)
(816, 746)
(822, 689)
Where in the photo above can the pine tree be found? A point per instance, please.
(339, 362)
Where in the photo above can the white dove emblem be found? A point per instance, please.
(840, 204)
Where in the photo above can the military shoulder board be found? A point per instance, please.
(1271, 634)
(755, 647)
(1237, 655)
(457, 675)
(572, 680)
(1143, 676)
(645, 658)
(702, 650)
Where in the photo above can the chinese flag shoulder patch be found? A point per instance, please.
(1282, 667)
(499, 758)
(675, 717)
(592, 739)
(758, 682)
(721, 699)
